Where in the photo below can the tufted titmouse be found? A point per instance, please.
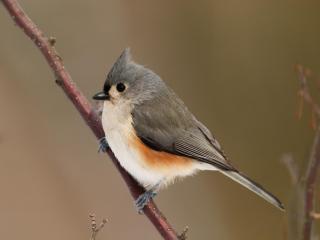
(153, 134)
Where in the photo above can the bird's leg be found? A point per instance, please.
(103, 145)
(145, 197)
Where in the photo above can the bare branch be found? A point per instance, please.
(304, 92)
(311, 176)
(94, 228)
(64, 80)
(307, 182)
(183, 235)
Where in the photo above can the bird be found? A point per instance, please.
(154, 136)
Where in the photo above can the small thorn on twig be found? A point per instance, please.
(94, 227)
(183, 235)
(58, 81)
(52, 41)
(315, 215)
(59, 57)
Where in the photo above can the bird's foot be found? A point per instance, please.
(103, 145)
(143, 200)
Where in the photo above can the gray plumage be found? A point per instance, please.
(172, 128)
(163, 122)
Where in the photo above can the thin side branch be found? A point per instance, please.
(95, 229)
(304, 92)
(288, 161)
(183, 235)
(64, 80)
(311, 173)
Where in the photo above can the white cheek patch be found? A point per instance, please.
(113, 92)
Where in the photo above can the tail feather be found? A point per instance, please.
(254, 187)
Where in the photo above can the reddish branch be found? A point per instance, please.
(310, 176)
(304, 92)
(90, 116)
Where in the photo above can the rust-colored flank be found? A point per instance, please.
(159, 159)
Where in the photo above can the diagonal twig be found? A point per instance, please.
(64, 80)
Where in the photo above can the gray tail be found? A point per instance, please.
(254, 187)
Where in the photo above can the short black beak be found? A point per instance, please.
(101, 96)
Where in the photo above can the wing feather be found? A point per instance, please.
(165, 124)
(198, 147)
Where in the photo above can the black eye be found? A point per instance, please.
(121, 87)
(106, 88)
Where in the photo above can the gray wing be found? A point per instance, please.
(210, 137)
(165, 124)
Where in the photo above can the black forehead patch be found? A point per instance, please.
(106, 87)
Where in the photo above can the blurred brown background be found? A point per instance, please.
(230, 61)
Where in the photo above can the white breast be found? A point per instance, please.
(117, 125)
